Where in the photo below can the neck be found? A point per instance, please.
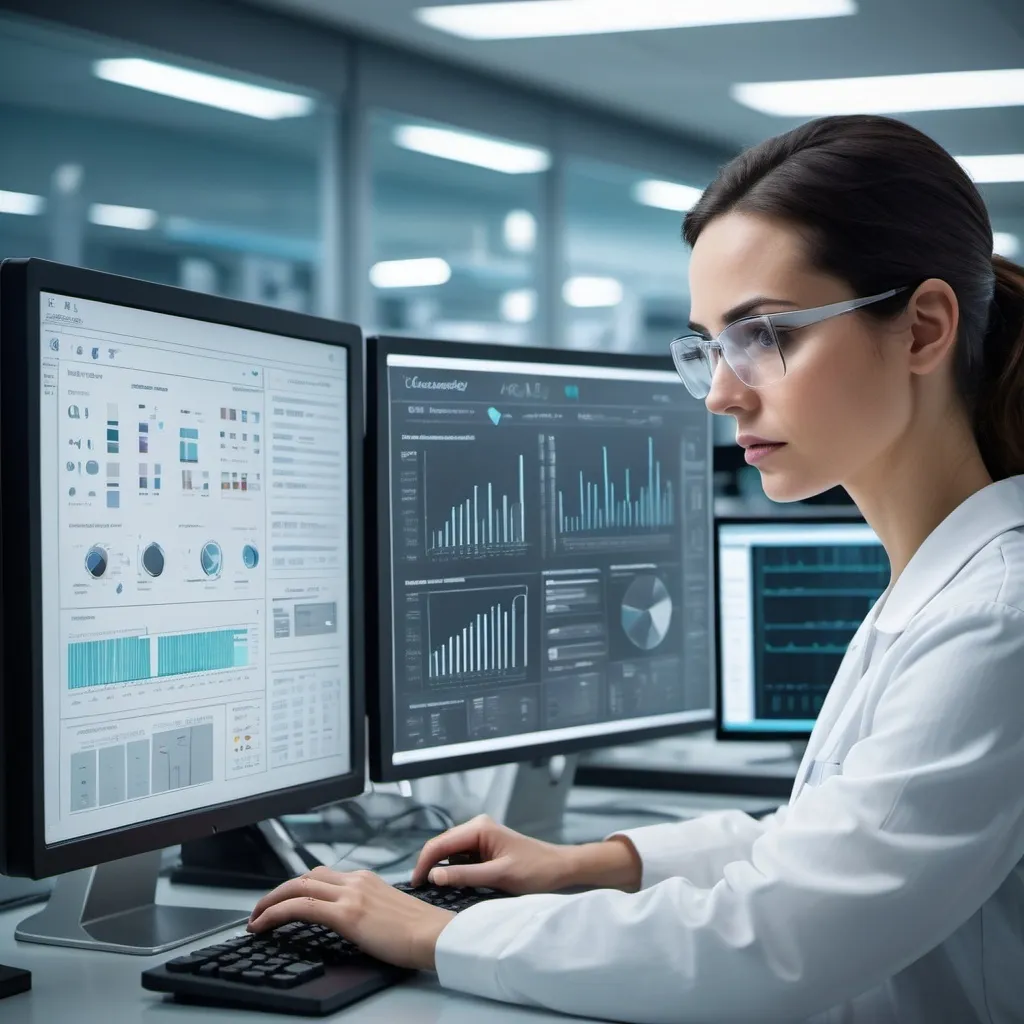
(915, 487)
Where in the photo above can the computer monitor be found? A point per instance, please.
(182, 576)
(541, 521)
(790, 594)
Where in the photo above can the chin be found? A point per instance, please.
(785, 487)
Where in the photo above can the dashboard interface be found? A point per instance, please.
(791, 597)
(194, 486)
(550, 551)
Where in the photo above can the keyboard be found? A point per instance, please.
(299, 968)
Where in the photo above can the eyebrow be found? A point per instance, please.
(742, 310)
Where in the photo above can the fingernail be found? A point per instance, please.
(438, 876)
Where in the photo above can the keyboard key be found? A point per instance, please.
(306, 971)
(185, 964)
(252, 977)
(284, 980)
(209, 970)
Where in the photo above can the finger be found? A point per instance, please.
(296, 888)
(455, 840)
(488, 874)
(302, 908)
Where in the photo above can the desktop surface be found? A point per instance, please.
(542, 554)
(94, 987)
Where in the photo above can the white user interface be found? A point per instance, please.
(194, 534)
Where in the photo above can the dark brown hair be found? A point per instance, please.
(882, 205)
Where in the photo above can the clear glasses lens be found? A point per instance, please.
(693, 364)
(752, 350)
(749, 347)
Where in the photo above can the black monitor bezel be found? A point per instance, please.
(380, 697)
(21, 282)
(756, 735)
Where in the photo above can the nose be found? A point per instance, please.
(728, 395)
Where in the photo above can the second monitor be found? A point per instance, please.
(791, 594)
(543, 529)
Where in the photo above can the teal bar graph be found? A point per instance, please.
(123, 659)
(208, 651)
(610, 505)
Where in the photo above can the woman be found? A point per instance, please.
(851, 318)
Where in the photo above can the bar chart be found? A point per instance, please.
(492, 516)
(210, 651)
(121, 659)
(616, 498)
(130, 659)
(478, 633)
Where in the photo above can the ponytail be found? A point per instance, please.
(999, 409)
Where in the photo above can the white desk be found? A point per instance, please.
(73, 985)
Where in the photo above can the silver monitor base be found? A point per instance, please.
(531, 797)
(112, 907)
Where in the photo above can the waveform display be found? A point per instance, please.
(809, 602)
(122, 659)
(483, 520)
(207, 651)
(603, 506)
(492, 640)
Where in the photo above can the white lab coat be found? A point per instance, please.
(890, 890)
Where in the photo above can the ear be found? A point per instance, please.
(934, 319)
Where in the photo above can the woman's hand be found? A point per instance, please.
(508, 861)
(517, 864)
(358, 905)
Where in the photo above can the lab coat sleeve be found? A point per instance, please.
(865, 874)
(697, 849)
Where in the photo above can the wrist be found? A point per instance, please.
(612, 864)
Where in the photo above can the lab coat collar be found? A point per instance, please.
(985, 515)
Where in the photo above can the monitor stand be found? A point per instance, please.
(531, 796)
(112, 907)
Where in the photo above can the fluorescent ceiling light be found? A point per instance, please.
(666, 195)
(520, 231)
(196, 87)
(479, 150)
(996, 167)
(132, 218)
(592, 292)
(519, 306)
(421, 273)
(1005, 244)
(21, 202)
(532, 19)
(884, 94)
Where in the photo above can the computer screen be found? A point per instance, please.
(543, 553)
(790, 596)
(193, 557)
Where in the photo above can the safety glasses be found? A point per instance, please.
(751, 346)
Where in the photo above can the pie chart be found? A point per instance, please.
(96, 561)
(153, 559)
(211, 558)
(250, 556)
(646, 612)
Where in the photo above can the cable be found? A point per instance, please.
(383, 827)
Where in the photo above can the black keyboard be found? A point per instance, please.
(298, 968)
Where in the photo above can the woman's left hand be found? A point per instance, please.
(358, 905)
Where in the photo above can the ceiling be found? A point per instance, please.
(679, 79)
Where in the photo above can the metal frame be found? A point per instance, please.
(380, 694)
(756, 735)
(20, 591)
